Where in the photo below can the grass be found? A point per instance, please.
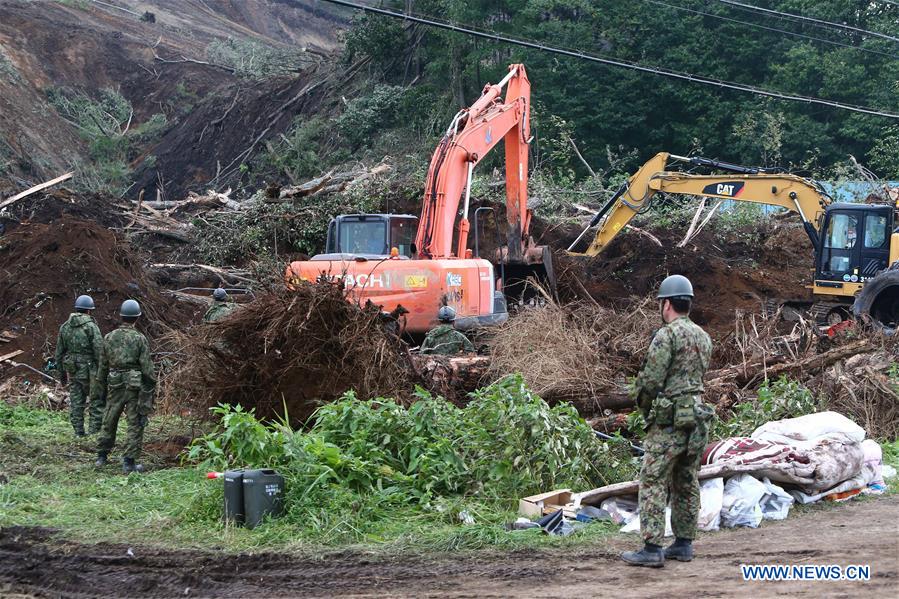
(52, 483)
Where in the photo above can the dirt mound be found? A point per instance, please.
(46, 266)
(51, 206)
(727, 275)
(292, 349)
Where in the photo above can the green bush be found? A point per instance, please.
(105, 122)
(253, 60)
(505, 444)
(776, 400)
(368, 114)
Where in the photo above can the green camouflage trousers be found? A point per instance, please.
(83, 391)
(670, 470)
(121, 400)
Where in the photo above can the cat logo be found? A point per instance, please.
(728, 189)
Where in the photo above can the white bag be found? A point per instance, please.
(711, 498)
(634, 524)
(740, 507)
(622, 509)
(803, 431)
(775, 502)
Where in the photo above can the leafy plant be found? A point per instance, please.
(506, 443)
(106, 123)
(776, 400)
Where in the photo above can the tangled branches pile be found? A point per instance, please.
(288, 350)
(577, 352)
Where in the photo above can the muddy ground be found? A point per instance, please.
(38, 563)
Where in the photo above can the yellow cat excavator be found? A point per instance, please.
(855, 246)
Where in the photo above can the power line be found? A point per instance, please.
(618, 63)
(819, 22)
(774, 29)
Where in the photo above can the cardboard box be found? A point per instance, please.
(536, 506)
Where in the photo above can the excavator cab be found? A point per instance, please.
(370, 236)
(855, 244)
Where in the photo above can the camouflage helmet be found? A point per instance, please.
(130, 308)
(219, 295)
(84, 302)
(446, 314)
(675, 287)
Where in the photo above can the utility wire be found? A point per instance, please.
(618, 63)
(774, 29)
(819, 22)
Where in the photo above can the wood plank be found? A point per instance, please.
(11, 355)
(35, 189)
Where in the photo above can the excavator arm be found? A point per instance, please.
(802, 196)
(471, 135)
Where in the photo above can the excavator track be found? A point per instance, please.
(823, 313)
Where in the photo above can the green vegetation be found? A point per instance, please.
(105, 122)
(617, 108)
(8, 70)
(367, 473)
(776, 400)
(265, 229)
(254, 60)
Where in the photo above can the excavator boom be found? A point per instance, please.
(855, 248)
(377, 262)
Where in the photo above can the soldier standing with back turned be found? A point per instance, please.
(669, 393)
(78, 351)
(126, 372)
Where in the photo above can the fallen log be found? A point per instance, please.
(450, 376)
(224, 275)
(35, 189)
(751, 373)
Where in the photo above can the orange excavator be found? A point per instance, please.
(378, 258)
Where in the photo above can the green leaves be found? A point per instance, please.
(506, 443)
(781, 399)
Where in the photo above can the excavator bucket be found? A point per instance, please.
(531, 279)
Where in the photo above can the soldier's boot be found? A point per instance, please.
(102, 459)
(128, 466)
(680, 549)
(651, 556)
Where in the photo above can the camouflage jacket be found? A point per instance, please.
(127, 349)
(445, 340)
(219, 310)
(676, 361)
(79, 341)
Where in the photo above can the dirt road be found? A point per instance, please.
(34, 562)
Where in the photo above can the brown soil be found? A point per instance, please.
(89, 46)
(37, 562)
(727, 275)
(44, 267)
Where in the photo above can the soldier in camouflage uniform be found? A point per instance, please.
(221, 306)
(78, 351)
(444, 339)
(126, 372)
(669, 393)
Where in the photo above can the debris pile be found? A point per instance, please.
(728, 274)
(287, 350)
(580, 352)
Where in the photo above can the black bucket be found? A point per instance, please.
(263, 495)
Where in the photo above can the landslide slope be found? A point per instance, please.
(84, 46)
